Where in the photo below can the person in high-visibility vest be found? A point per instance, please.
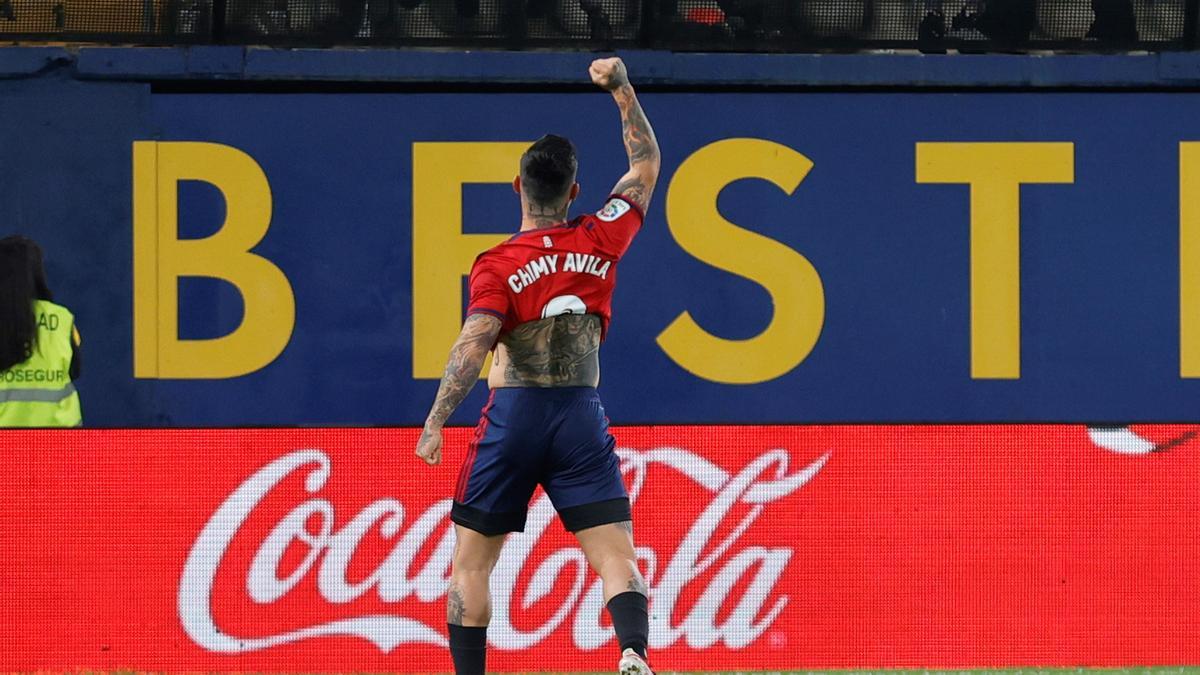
(39, 344)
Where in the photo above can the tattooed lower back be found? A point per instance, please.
(561, 351)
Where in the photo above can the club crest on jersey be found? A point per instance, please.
(615, 208)
(553, 263)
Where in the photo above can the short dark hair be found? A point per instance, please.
(548, 169)
(22, 280)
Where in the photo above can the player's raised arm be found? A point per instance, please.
(474, 342)
(640, 144)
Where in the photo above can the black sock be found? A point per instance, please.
(468, 648)
(631, 620)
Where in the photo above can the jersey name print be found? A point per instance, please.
(567, 269)
(584, 263)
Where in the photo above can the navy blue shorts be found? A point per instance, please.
(556, 437)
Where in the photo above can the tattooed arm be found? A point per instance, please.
(640, 144)
(462, 371)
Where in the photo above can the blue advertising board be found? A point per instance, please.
(856, 257)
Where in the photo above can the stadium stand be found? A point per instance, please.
(679, 25)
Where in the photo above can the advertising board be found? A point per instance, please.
(298, 259)
(327, 550)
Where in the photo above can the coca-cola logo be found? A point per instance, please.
(1125, 440)
(711, 552)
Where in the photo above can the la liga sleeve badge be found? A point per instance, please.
(615, 208)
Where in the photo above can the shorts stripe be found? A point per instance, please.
(464, 474)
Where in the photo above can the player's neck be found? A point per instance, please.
(538, 217)
(529, 224)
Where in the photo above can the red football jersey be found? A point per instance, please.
(566, 269)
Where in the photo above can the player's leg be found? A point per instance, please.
(469, 600)
(490, 500)
(584, 481)
(609, 550)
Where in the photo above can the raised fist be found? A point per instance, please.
(608, 74)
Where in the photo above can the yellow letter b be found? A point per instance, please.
(160, 258)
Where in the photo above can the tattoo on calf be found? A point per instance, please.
(455, 608)
(637, 584)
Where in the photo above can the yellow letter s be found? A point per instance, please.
(790, 279)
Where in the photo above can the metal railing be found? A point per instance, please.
(680, 25)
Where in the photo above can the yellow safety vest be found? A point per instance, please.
(39, 392)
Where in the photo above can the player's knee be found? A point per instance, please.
(620, 575)
(472, 563)
(615, 563)
(624, 565)
(472, 578)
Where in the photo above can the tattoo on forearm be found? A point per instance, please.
(455, 605)
(640, 144)
(462, 369)
(558, 351)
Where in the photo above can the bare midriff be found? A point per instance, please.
(560, 351)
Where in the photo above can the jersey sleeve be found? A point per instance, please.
(488, 293)
(615, 225)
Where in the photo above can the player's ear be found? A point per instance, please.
(574, 192)
(517, 185)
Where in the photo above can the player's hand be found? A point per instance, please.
(609, 74)
(429, 446)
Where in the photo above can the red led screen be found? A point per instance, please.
(327, 550)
